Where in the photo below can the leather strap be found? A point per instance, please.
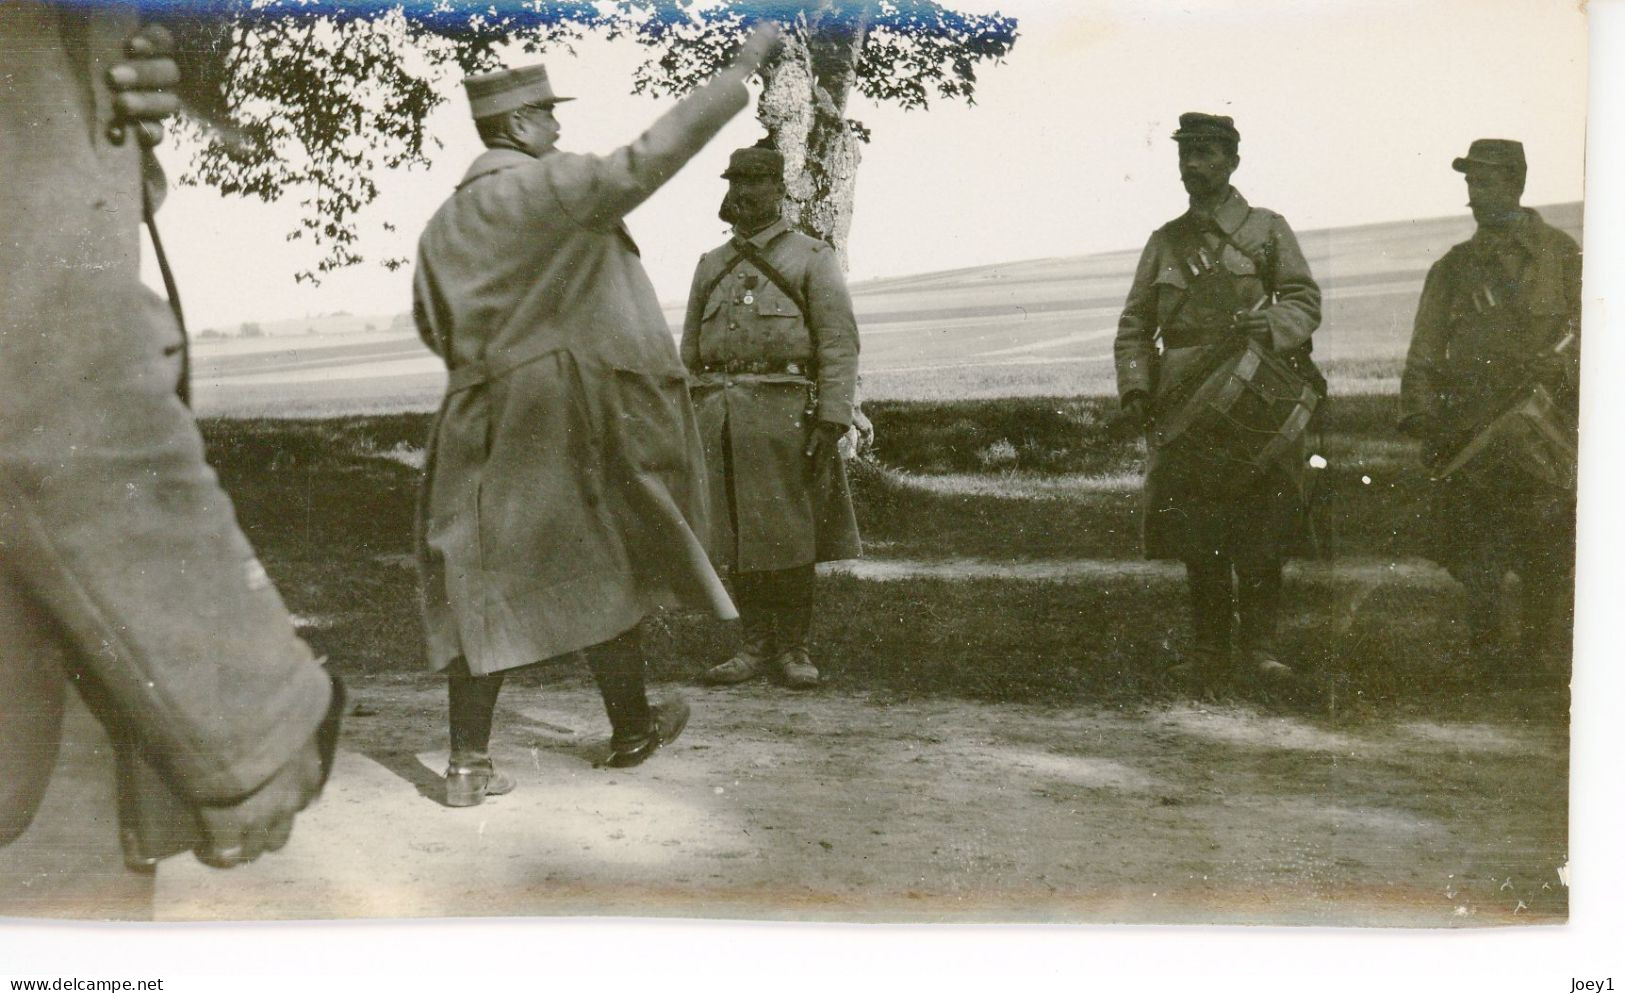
(743, 251)
(777, 278)
(482, 371)
(183, 387)
(741, 254)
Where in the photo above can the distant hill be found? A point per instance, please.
(324, 324)
(1335, 254)
(1038, 327)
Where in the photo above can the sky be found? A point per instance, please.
(1350, 112)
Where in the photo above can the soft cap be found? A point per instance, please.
(1196, 126)
(754, 161)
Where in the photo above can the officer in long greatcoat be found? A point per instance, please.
(565, 495)
(772, 344)
(1492, 313)
(1222, 269)
(154, 697)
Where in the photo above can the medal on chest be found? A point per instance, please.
(750, 289)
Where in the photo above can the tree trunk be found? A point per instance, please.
(803, 108)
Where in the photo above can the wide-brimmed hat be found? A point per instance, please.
(491, 93)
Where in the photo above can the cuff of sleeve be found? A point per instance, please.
(299, 715)
(835, 412)
(1284, 335)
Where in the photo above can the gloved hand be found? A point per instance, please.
(1254, 325)
(1138, 411)
(1132, 421)
(864, 429)
(143, 87)
(825, 439)
(240, 833)
(1556, 369)
(762, 44)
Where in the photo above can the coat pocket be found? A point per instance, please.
(653, 421)
(1169, 289)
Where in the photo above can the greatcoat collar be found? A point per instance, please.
(1520, 232)
(1229, 214)
(767, 234)
(491, 160)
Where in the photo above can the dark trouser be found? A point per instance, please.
(1255, 593)
(775, 609)
(1481, 530)
(1546, 607)
(617, 667)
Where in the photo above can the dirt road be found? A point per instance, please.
(827, 806)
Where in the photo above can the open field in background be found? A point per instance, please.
(994, 711)
(1036, 328)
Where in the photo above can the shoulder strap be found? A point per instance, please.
(777, 278)
(743, 251)
(183, 387)
(1264, 264)
(711, 285)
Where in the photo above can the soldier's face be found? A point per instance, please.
(535, 127)
(1492, 193)
(752, 200)
(1205, 167)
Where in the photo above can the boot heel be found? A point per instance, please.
(465, 788)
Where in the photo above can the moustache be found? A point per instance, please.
(737, 207)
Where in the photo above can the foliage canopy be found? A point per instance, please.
(327, 92)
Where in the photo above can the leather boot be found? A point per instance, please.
(1207, 581)
(617, 668)
(1545, 628)
(1258, 600)
(471, 703)
(637, 729)
(756, 647)
(1488, 649)
(793, 613)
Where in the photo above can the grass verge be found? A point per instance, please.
(329, 504)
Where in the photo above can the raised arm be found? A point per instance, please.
(597, 191)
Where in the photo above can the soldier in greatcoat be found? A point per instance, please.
(154, 697)
(1492, 313)
(1222, 269)
(565, 493)
(772, 345)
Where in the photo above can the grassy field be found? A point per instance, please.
(329, 505)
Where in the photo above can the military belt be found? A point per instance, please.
(740, 367)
